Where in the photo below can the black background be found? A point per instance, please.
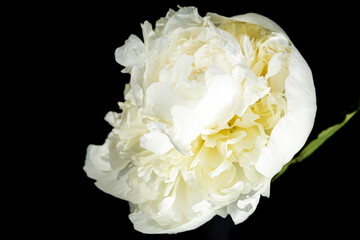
(76, 82)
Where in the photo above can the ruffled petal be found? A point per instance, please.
(157, 140)
(97, 166)
(97, 161)
(131, 53)
(145, 224)
(185, 17)
(240, 210)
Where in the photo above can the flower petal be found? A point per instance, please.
(259, 20)
(145, 224)
(241, 209)
(212, 110)
(156, 141)
(97, 161)
(97, 166)
(159, 105)
(185, 17)
(292, 131)
(131, 53)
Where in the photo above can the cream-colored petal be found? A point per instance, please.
(97, 161)
(131, 53)
(241, 209)
(185, 17)
(292, 131)
(259, 20)
(157, 140)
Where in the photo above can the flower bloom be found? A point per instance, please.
(214, 109)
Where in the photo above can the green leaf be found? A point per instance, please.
(316, 143)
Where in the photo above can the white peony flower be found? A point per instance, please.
(215, 107)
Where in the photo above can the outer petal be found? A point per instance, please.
(97, 166)
(145, 224)
(250, 18)
(132, 56)
(240, 210)
(131, 53)
(97, 160)
(185, 17)
(259, 20)
(291, 132)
